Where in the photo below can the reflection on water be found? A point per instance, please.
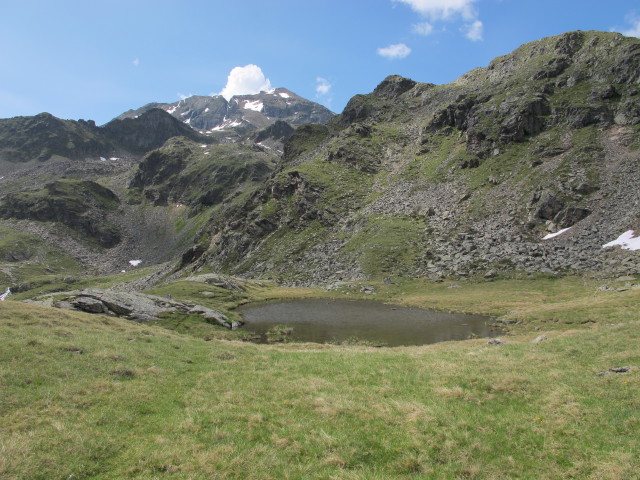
(324, 321)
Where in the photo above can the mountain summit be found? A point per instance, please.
(242, 113)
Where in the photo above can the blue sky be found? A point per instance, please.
(95, 59)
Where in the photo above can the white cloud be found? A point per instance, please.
(474, 31)
(443, 9)
(322, 86)
(424, 28)
(182, 96)
(634, 31)
(245, 80)
(398, 50)
(446, 11)
(136, 62)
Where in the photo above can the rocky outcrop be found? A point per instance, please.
(136, 306)
(393, 86)
(148, 131)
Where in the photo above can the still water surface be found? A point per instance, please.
(323, 321)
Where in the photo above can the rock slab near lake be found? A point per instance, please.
(140, 307)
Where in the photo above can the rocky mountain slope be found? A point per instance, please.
(242, 113)
(462, 179)
(75, 197)
(529, 165)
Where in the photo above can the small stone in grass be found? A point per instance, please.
(614, 370)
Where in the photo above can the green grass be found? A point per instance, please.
(101, 398)
(385, 245)
(41, 285)
(28, 260)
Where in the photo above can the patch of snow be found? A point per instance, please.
(206, 110)
(284, 95)
(225, 125)
(256, 106)
(187, 121)
(185, 113)
(172, 109)
(115, 159)
(103, 159)
(135, 263)
(203, 146)
(264, 146)
(207, 153)
(6, 293)
(626, 241)
(271, 92)
(559, 232)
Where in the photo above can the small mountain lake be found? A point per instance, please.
(326, 321)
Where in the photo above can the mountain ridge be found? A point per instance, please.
(241, 113)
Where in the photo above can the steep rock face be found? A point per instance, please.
(458, 179)
(274, 136)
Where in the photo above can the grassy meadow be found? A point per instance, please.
(95, 397)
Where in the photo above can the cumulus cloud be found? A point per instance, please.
(424, 28)
(447, 11)
(398, 50)
(443, 9)
(182, 96)
(322, 86)
(634, 31)
(245, 80)
(474, 31)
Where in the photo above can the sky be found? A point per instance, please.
(95, 59)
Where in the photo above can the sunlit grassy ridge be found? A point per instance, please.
(102, 398)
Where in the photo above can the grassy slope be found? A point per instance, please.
(144, 402)
(26, 258)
